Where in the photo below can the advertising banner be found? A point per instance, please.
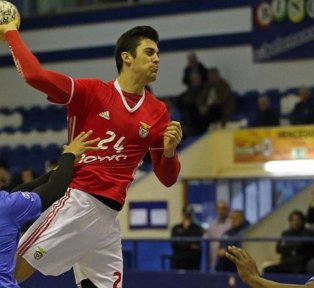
(283, 29)
(261, 145)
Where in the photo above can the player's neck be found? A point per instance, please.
(130, 85)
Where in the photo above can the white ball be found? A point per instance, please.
(8, 12)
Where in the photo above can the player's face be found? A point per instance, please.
(145, 64)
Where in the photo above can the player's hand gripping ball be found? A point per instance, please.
(9, 13)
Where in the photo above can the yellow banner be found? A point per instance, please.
(284, 143)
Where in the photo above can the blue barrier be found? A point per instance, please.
(153, 279)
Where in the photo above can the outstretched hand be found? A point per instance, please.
(245, 263)
(13, 25)
(80, 144)
(172, 138)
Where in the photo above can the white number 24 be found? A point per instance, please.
(111, 137)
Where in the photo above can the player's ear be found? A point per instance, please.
(126, 57)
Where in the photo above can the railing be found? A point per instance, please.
(155, 254)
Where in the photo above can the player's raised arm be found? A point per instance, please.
(56, 85)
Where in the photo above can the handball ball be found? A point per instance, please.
(8, 13)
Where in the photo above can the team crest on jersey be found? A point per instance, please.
(39, 253)
(144, 129)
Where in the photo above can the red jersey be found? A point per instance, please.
(127, 133)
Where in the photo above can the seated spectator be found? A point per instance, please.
(266, 116)
(294, 254)
(310, 220)
(27, 175)
(193, 67)
(216, 229)
(303, 112)
(5, 178)
(238, 226)
(186, 103)
(186, 254)
(216, 101)
(310, 210)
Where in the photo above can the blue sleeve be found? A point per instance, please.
(24, 206)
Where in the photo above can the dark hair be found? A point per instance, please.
(188, 210)
(130, 40)
(298, 213)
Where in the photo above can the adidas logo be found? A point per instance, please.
(105, 115)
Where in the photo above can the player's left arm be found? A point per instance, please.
(165, 162)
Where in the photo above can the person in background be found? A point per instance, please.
(193, 67)
(266, 116)
(216, 101)
(303, 111)
(216, 229)
(5, 178)
(294, 254)
(310, 221)
(238, 226)
(27, 175)
(187, 105)
(186, 254)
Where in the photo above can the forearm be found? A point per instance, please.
(166, 169)
(58, 182)
(30, 186)
(56, 85)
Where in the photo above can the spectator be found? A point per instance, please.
(186, 254)
(310, 220)
(216, 229)
(303, 112)
(216, 101)
(187, 104)
(310, 210)
(5, 178)
(194, 67)
(238, 225)
(294, 254)
(27, 175)
(266, 116)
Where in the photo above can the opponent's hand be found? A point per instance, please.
(13, 25)
(80, 144)
(172, 138)
(246, 265)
